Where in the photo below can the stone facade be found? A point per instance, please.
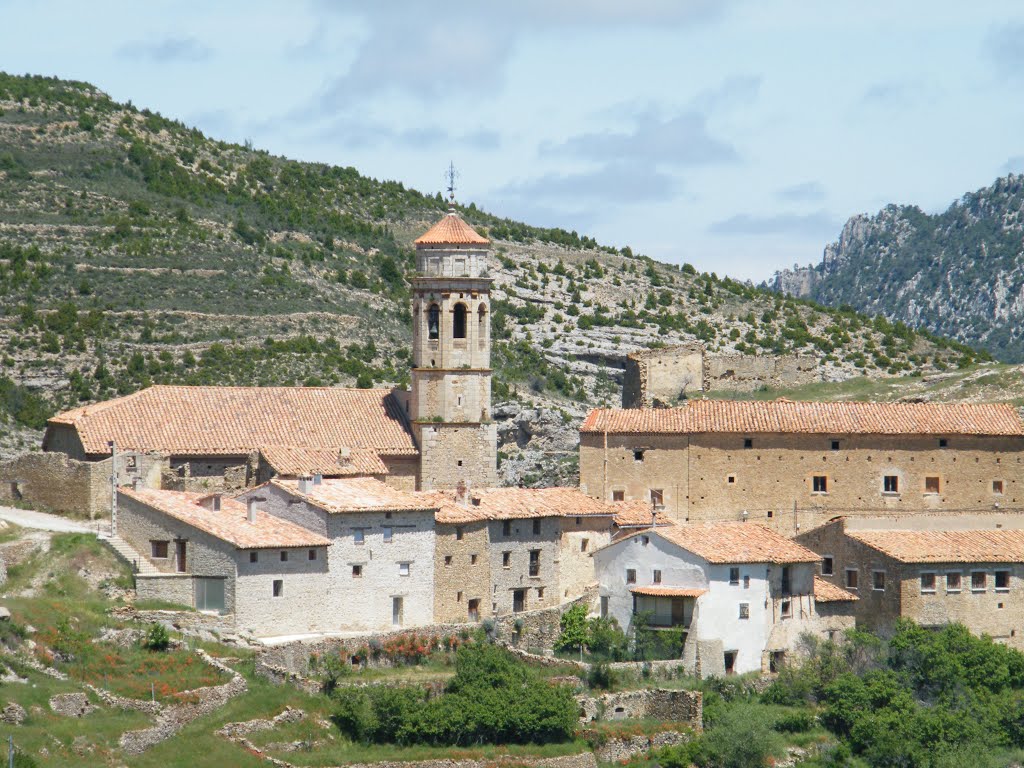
(462, 578)
(524, 564)
(677, 706)
(659, 377)
(995, 611)
(718, 477)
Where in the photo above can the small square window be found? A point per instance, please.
(403, 569)
(835, 445)
(953, 582)
(472, 559)
(786, 609)
(312, 554)
(744, 610)
(506, 559)
(536, 526)
(618, 495)
(827, 565)
(388, 533)
(997, 487)
(459, 462)
(278, 587)
(891, 484)
(1002, 581)
(979, 581)
(819, 484)
(931, 485)
(851, 578)
(357, 571)
(943, 442)
(447, 561)
(359, 536)
(254, 557)
(771, 514)
(748, 442)
(284, 555)
(159, 549)
(927, 583)
(734, 576)
(878, 581)
(731, 479)
(638, 455)
(631, 576)
(657, 577)
(506, 529)
(540, 593)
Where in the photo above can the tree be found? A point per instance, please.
(575, 629)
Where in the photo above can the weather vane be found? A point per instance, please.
(450, 176)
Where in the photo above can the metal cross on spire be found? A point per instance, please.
(450, 176)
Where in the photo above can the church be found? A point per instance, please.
(436, 435)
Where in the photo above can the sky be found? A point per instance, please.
(736, 135)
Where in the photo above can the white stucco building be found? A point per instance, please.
(743, 593)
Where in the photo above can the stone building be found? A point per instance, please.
(216, 554)
(742, 594)
(380, 560)
(796, 465)
(933, 569)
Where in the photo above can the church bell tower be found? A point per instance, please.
(451, 376)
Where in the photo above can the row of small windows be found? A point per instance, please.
(639, 454)
(891, 484)
(929, 579)
(459, 314)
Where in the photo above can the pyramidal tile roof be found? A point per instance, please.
(230, 523)
(451, 230)
(235, 421)
(787, 416)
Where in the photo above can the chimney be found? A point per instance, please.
(250, 507)
(344, 457)
(303, 484)
(137, 483)
(216, 502)
(462, 493)
(745, 515)
(318, 479)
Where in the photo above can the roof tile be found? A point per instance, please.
(946, 546)
(451, 230)
(356, 494)
(827, 592)
(734, 542)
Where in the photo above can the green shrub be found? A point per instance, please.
(157, 638)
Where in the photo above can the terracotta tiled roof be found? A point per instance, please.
(667, 591)
(946, 546)
(513, 503)
(356, 494)
(451, 230)
(732, 542)
(786, 416)
(231, 523)
(450, 510)
(292, 460)
(827, 592)
(235, 421)
(637, 514)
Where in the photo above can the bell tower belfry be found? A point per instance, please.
(450, 401)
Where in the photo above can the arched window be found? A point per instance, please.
(481, 325)
(459, 322)
(433, 321)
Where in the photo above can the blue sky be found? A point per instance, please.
(737, 135)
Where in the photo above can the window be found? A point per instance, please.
(403, 569)
(657, 498)
(536, 526)
(997, 487)
(618, 495)
(506, 529)
(744, 610)
(931, 485)
(518, 600)
(459, 322)
(979, 581)
(891, 484)
(359, 536)
(1002, 581)
(746, 581)
(786, 586)
(878, 581)
(953, 582)
(472, 559)
(254, 557)
(835, 445)
(397, 611)
(786, 609)
(284, 555)
(730, 662)
(159, 549)
(631, 576)
(388, 533)
(584, 545)
(828, 565)
(748, 442)
(535, 562)
(357, 571)
(734, 576)
(458, 533)
(657, 576)
(433, 322)
(447, 561)
(481, 326)
(506, 559)
(540, 593)
(312, 554)
(731, 479)
(943, 442)
(927, 583)
(458, 597)
(278, 587)
(851, 578)
(819, 484)
(473, 609)
(209, 595)
(638, 454)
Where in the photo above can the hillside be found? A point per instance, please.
(135, 250)
(959, 273)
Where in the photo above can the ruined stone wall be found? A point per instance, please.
(461, 571)
(748, 373)
(205, 474)
(662, 376)
(678, 706)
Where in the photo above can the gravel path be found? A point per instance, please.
(27, 518)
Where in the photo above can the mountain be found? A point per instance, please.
(959, 273)
(135, 250)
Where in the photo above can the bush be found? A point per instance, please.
(601, 676)
(157, 638)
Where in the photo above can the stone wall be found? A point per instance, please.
(461, 572)
(457, 453)
(748, 373)
(540, 591)
(677, 706)
(55, 482)
(540, 628)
